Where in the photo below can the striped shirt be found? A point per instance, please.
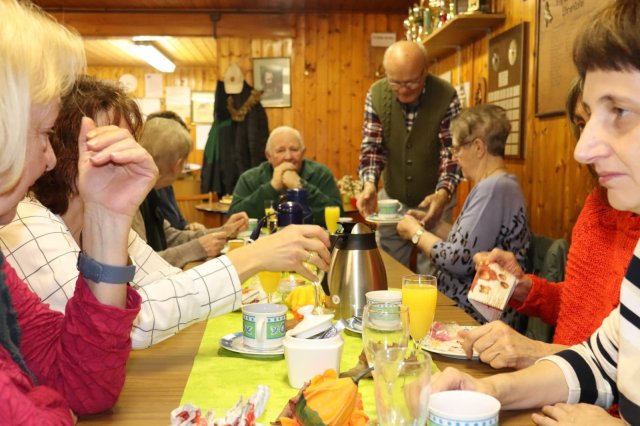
(373, 156)
(41, 249)
(606, 368)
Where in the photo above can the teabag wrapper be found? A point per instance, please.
(491, 290)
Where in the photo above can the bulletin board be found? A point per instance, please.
(507, 82)
(558, 22)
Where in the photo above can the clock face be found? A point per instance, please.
(129, 82)
(513, 52)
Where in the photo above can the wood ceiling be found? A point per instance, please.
(189, 24)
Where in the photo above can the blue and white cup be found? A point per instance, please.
(463, 408)
(389, 209)
(263, 325)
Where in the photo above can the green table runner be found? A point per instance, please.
(219, 377)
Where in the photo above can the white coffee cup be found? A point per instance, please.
(388, 209)
(307, 358)
(263, 325)
(464, 408)
(384, 296)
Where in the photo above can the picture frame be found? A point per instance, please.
(557, 26)
(202, 105)
(272, 76)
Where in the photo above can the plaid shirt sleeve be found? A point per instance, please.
(373, 156)
(449, 171)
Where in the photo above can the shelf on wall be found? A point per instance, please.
(461, 30)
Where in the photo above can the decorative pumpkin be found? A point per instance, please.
(301, 296)
(326, 401)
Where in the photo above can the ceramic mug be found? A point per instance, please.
(463, 408)
(307, 358)
(263, 325)
(388, 209)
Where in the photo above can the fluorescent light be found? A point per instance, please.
(154, 57)
(147, 52)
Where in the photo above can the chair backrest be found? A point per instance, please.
(187, 205)
(547, 259)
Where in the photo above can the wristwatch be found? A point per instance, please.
(98, 272)
(416, 237)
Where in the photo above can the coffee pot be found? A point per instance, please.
(356, 268)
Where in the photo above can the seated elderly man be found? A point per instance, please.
(285, 168)
(169, 144)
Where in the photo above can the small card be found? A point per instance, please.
(491, 290)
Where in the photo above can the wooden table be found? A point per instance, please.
(156, 377)
(215, 213)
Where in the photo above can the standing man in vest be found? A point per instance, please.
(405, 137)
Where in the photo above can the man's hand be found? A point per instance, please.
(434, 205)
(213, 243)
(501, 346)
(195, 226)
(278, 172)
(291, 179)
(237, 222)
(574, 414)
(367, 200)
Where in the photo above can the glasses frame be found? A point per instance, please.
(409, 84)
(455, 149)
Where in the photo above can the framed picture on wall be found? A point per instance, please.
(557, 27)
(272, 76)
(202, 107)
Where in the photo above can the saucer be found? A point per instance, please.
(450, 348)
(354, 325)
(234, 342)
(374, 218)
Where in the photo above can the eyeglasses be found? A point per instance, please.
(409, 84)
(455, 149)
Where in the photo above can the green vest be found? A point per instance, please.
(413, 158)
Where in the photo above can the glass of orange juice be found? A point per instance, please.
(269, 281)
(419, 294)
(331, 216)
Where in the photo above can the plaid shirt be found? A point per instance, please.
(373, 155)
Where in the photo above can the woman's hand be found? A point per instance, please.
(286, 250)
(508, 261)
(501, 346)
(237, 222)
(114, 171)
(408, 226)
(574, 414)
(213, 243)
(453, 379)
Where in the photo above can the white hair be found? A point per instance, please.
(284, 129)
(39, 61)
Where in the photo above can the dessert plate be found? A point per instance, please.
(374, 218)
(354, 325)
(450, 348)
(234, 342)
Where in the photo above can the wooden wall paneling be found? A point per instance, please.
(340, 146)
(298, 77)
(321, 133)
(334, 92)
(359, 43)
(310, 75)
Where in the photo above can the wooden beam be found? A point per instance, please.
(179, 24)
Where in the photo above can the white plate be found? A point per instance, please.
(450, 348)
(373, 218)
(354, 325)
(234, 342)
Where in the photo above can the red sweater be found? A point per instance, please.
(603, 240)
(79, 358)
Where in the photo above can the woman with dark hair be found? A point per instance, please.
(45, 239)
(605, 368)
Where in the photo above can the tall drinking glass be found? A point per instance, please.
(401, 380)
(269, 281)
(384, 326)
(331, 216)
(420, 293)
(318, 307)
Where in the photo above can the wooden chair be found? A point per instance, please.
(187, 205)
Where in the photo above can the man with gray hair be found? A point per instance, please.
(285, 168)
(169, 144)
(405, 140)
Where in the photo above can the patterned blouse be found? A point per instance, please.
(493, 216)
